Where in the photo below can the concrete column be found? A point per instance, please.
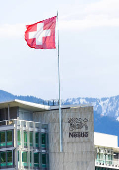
(8, 112)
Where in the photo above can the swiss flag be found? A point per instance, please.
(41, 35)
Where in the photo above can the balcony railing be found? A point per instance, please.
(53, 102)
(107, 163)
(24, 124)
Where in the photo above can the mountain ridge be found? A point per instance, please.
(6, 96)
(106, 106)
(106, 110)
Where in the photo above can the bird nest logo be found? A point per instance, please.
(77, 123)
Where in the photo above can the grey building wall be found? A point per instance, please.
(25, 114)
(78, 138)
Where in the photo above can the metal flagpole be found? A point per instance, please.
(60, 114)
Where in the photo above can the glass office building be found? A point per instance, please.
(29, 139)
(23, 143)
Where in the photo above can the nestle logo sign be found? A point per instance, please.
(77, 123)
(78, 134)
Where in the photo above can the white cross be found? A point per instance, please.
(39, 34)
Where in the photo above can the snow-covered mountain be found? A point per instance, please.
(108, 106)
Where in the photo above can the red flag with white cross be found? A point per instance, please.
(41, 35)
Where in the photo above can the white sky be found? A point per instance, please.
(89, 49)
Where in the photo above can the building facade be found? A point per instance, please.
(78, 137)
(23, 144)
(106, 152)
(29, 137)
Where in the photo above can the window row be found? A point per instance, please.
(103, 156)
(36, 159)
(40, 139)
(6, 138)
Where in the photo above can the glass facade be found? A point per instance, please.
(106, 159)
(37, 160)
(32, 139)
(31, 144)
(42, 144)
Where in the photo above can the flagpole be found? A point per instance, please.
(60, 114)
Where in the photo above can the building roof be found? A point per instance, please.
(36, 107)
(105, 140)
(70, 106)
(25, 105)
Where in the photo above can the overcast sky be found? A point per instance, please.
(89, 49)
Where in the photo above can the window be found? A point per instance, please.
(18, 137)
(18, 156)
(43, 160)
(3, 158)
(25, 138)
(6, 159)
(36, 159)
(43, 140)
(9, 137)
(31, 138)
(24, 158)
(9, 158)
(37, 139)
(2, 139)
(6, 137)
(115, 155)
(30, 158)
